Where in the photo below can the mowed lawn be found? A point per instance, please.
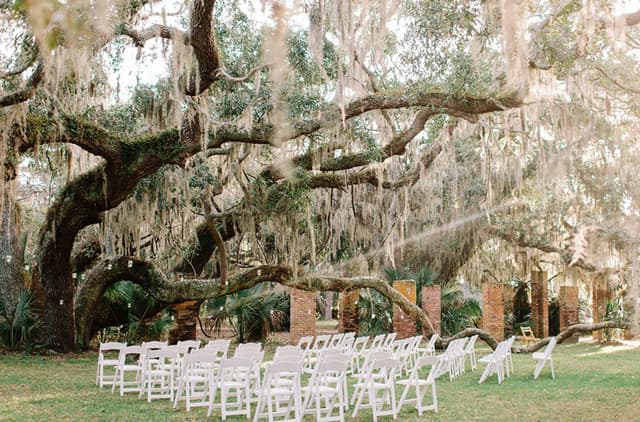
(593, 383)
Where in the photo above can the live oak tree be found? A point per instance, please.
(309, 147)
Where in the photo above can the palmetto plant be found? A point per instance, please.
(252, 314)
(20, 329)
(131, 304)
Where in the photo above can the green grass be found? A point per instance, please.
(592, 383)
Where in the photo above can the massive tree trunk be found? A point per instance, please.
(11, 250)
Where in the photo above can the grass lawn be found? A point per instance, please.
(593, 383)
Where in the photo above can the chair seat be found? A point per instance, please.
(109, 362)
(130, 367)
(539, 356)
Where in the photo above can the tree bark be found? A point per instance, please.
(11, 251)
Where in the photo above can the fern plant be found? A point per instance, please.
(20, 329)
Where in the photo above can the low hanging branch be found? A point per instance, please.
(569, 332)
(154, 281)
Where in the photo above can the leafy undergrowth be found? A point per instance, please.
(592, 383)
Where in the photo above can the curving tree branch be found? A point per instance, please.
(154, 281)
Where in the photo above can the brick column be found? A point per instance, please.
(493, 309)
(348, 311)
(302, 315)
(539, 304)
(600, 296)
(568, 309)
(404, 325)
(431, 296)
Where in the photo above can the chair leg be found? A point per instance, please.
(539, 366)
(553, 375)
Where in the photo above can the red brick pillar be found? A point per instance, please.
(568, 309)
(539, 304)
(431, 296)
(404, 325)
(303, 315)
(600, 296)
(348, 311)
(493, 309)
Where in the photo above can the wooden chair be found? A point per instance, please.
(527, 335)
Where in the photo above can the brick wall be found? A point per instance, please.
(493, 310)
(348, 311)
(568, 309)
(403, 325)
(303, 315)
(431, 296)
(539, 304)
(600, 296)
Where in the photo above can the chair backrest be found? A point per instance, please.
(283, 353)
(305, 343)
(191, 344)
(431, 346)
(550, 346)
(471, 344)
(248, 348)
(112, 346)
(321, 342)
(433, 361)
(221, 342)
(154, 345)
(132, 351)
(360, 344)
(162, 356)
(389, 340)
(336, 340)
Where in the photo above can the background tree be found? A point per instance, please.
(336, 139)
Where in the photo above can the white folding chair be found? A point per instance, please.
(189, 344)
(377, 342)
(496, 363)
(234, 376)
(361, 377)
(199, 374)
(106, 360)
(159, 372)
(256, 357)
(321, 342)
(544, 357)
(358, 349)
(421, 385)
(470, 352)
(219, 344)
(326, 391)
(430, 349)
(280, 395)
(130, 359)
(380, 379)
(388, 341)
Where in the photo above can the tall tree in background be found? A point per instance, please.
(310, 146)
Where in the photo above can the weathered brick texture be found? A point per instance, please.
(540, 304)
(493, 310)
(303, 315)
(568, 309)
(431, 304)
(348, 311)
(600, 296)
(404, 325)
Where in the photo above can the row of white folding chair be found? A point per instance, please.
(327, 391)
(430, 349)
(421, 384)
(378, 388)
(499, 362)
(203, 376)
(407, 352)
(453, 359)
(107, 362)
